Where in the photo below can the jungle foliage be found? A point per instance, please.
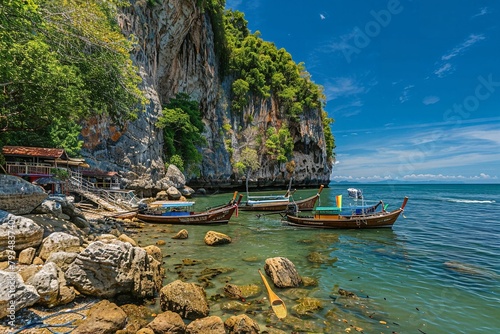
(61, 62)
(182, 131)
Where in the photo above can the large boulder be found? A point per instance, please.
(22, 232)
(213, 238)
(168, 322)
(62, 259)
(187, 299)
(282, 272)
(50, 284)
(107, 269)
(173, 194)
(59, 242)
(208, 325)
(19, 196)
(103, 318)
(241, 324)
(175, 176)
(14, 294)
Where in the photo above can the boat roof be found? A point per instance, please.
(328, 208)
(170, 204)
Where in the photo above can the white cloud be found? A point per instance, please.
(482, 11)
(461, 48)
(430, 100)
(445, 67)
(405, 95)
(444, 70)
(342, 87)
(321, 16)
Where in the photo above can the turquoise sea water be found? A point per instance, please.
(436, 271)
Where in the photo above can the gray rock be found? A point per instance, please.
(14, 294)
(173, 194)
(175, 176)
(18, 196)
(107, 269)
(62, 259)
(50, 284)
(59, 242)
(24, 231)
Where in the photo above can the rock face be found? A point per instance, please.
(24, 231)
(108, 269)
(175, 53)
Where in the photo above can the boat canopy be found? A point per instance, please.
(170, 204)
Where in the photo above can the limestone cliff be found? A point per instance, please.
(175, 53)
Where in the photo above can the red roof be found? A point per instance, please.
(41, 152)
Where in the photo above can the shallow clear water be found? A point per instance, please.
(436, 271)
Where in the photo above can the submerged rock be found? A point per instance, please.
(282, 272)
(307, 306)
(213, 238)
(241, 324)
(182, 234)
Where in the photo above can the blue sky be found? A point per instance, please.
(413, 86)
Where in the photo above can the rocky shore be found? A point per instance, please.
(61, 269)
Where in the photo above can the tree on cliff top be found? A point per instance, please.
(61, 61)
(260, 69)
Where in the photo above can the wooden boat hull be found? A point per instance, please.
(372, 220)
(215, 216)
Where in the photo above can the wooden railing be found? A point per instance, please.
(17, 168)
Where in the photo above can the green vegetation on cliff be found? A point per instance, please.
(60, 62)
(261, 69)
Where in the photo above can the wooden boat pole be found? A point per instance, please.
(277, 304)
(404, 203)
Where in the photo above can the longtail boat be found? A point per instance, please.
(179, 212)
(337, 218)
(279, 202)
